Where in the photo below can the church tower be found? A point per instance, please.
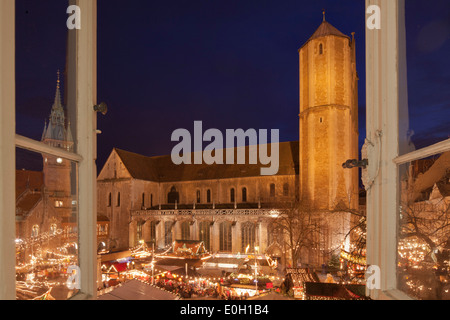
(57, 171)
(328, 120)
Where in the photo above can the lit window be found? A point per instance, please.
(225, 238)
(185, 230)
(248, 231)
(204, 233)
(35, 231)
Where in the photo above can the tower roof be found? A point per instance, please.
(325, 29)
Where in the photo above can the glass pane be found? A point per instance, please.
(42, 111)
(428, 75)
(46, 227)
(424, 228)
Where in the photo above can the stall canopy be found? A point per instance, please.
(334, 291)
(137, 290)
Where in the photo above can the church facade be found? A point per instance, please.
(232, 208)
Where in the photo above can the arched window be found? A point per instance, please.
(225, 236)
(168, 233)
(232, 195)
(248, 231)
(35, 231)
(53, 229)
(274, 234)
(272, 189)
(244, 194)
(198, 196)
(118, 199)
(151, 200)
(208, 196)
(143, 199)
(186, 230)
(321, 48)
(139, 230)
(285, 189)
(109, 199)
(173, 196)
(204, 233)
(153, 231)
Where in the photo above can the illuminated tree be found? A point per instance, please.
(424, 234)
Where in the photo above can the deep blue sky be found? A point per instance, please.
(231, 64)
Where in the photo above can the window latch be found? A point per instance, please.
(102, 107)
(353, 163)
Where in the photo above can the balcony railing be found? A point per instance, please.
(214, 212)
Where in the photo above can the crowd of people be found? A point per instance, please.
(189, 290)
(200, 290)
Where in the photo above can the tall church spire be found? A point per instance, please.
(57, 104)
(56, 131)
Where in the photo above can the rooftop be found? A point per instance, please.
(162, 169)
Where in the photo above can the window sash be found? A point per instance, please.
(40, 147)
(386, 95)
(432, 150)
(82, 78)
(7, 151)
(382, 95)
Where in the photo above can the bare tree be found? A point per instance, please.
(300, 229)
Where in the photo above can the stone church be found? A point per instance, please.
(231, 207)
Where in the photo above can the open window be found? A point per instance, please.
(407, 148)
(74, 202)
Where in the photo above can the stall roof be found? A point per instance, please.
(335, 291)
(137, 290)
(115, 255)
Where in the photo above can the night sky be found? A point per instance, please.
(231, 64)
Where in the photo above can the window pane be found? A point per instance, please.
(168, 233)
(225, 236)
(428, 75)
(185, 230)
(46, 226)
(248, 237)
(424, 228)
(42, 111)
(204, 233)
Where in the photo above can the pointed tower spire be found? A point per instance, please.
(69, 137)
(57, 104)
(323, 12)
(56, 128)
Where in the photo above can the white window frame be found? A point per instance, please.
(386, 97)
(82, 81)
